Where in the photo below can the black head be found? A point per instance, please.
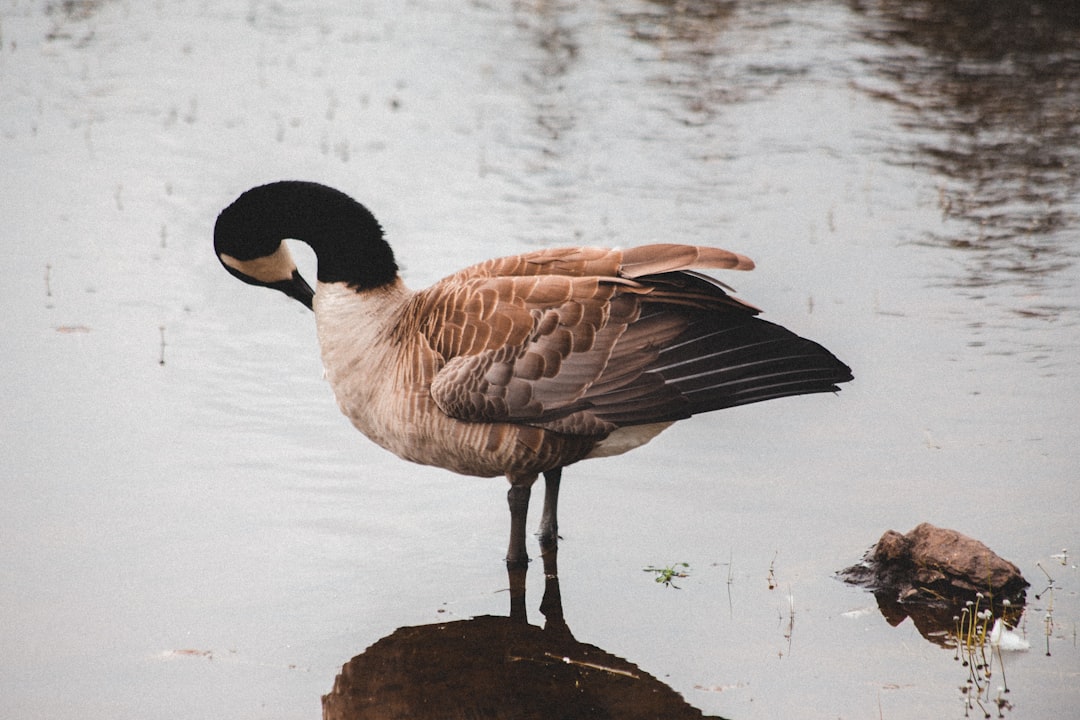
(347, 240)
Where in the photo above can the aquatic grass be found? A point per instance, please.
(1048, 619)
(730, 582)
(983, 631)
(979, 639)
(789, 631)
(666, 575)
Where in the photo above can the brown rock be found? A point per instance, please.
(931, 562)
(931, 574)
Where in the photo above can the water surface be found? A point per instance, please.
(209, 537)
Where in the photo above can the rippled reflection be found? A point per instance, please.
(939, 622)
(977, 631)
(690, 37)
(989, 97)
(498, 667)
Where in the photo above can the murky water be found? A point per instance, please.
(206, 536)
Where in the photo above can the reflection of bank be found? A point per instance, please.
(986, 94)
(498, 667)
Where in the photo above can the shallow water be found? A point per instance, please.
(209, 537)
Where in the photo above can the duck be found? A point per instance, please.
(517, 366)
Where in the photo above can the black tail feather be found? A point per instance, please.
(720, 360)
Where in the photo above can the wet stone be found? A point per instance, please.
(935, 564)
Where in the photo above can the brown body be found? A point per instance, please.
(498, 369)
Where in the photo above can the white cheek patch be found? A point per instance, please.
(275, 267)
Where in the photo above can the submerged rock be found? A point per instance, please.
(937, 561)
(931, 572)
(932, 563)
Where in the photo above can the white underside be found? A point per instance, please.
(626, 439)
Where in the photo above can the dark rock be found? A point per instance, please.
(935, 562)
(931, 573)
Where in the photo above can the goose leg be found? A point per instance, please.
(549, 521)
(551, 604)
(518, 499)
(516, 575)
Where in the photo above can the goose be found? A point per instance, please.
(517, 366)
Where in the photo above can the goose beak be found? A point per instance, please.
(297, 288)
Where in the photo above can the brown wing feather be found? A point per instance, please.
(662, 258)
(564, 330)
(569, 261)
(585, 340)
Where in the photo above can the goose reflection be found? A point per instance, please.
(498, 667)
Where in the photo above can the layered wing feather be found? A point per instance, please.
(587, 340)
